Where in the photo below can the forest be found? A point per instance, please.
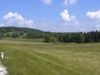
(27, 33)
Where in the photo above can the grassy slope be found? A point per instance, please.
(27, 58)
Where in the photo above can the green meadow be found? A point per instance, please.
(28, 57)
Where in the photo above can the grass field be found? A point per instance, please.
(38, 58)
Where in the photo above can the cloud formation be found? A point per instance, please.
(69, 2)
(65, 2)
(67, 18)
(69, 22)
(94, 15)
(15, 19)
(47, 1)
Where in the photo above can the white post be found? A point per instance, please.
(2, 55)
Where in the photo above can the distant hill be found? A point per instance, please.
(17, 32)
(18, 29)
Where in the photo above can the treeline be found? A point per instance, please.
(27, 33)
(74, 37)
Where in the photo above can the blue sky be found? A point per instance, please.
(51, 15)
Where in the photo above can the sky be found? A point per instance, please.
(51, 15)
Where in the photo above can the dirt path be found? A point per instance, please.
(3, 70)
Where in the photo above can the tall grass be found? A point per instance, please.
(31, 58)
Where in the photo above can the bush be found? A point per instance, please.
(50, 39)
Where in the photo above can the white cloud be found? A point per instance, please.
(94, 15)
(47, 1)
(69, 22)
(69, 2)
(67, 18)
(15, 19)
(66, 2)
